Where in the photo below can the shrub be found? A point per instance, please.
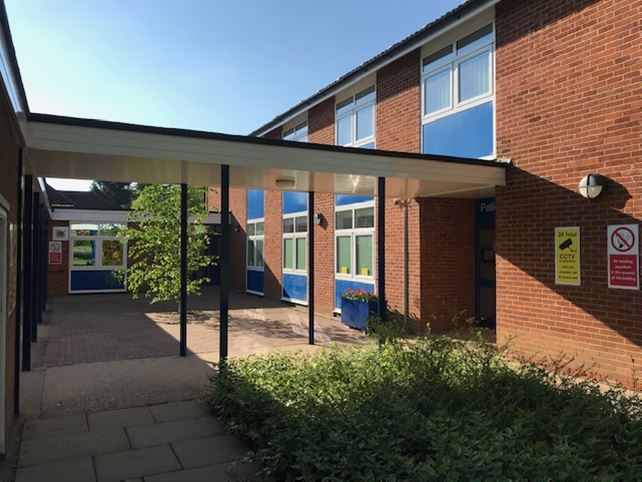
(426, 410)
(358, 295)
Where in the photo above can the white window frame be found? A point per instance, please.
(98, 266)
(294, 236)
(353, 233)
(254, 237)
(453, 64)
(352, 114)
(300, 133)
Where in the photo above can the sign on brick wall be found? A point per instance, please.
(567, 256)
(55, 252)
(624, 256)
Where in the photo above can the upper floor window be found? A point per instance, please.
(298, 133)
(355, 119)
(459, 74)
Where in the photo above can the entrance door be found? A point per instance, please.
(485, 262)
(4, 257)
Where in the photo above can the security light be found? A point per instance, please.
(592, 185)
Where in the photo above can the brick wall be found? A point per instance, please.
(9, 150)
(272, 245)
(238, 237)
(58, 274)
(569, 102)
(321, 122)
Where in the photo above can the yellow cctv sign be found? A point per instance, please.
(567, 256)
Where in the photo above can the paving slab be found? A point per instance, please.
(166, 432)
(168, 412)
(209, 450)
(210, 473)
(125, 417)
(51, 449)
(135, 463)
(47, 427)
(72, 470)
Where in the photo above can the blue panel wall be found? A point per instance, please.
(341, 285)
(255, 280)
(343, 199)
(255, 204)
(466, 134)
(94, 280)
(295, 202)
(295, 286)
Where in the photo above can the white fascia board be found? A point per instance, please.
(89, 215)
(409, 48)
(129, 144)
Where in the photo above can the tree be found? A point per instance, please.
(119, 193)
(153, 237)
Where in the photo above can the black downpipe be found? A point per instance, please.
(381, 248)
(311, 267)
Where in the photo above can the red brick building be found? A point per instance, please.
(553, 86)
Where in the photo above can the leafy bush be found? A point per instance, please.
(426, 410)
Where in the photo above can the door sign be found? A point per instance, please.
(567, 256)
(55, 252)
(624, 256)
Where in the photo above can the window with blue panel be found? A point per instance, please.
(295, 202)
(255, 204)
(468, 133)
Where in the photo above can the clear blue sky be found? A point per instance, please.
(225, 66)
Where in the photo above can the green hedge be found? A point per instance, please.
(427, 410)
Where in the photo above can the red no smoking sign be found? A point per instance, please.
(624, 256)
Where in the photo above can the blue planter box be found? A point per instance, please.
(355, 313)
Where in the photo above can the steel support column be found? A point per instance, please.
(224, 261)
(381, 249)
(35, 274)
(311, 268)
(16, 359)
(183, 256)
(27, 255)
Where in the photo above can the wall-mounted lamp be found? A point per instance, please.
(317, 219)
(285, 182)
(592, 185)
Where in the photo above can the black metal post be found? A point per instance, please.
(311, 267)
(16, 360)
(27, 255)
(224, 260)
(35, 274)
(183, 301)
(381, 249)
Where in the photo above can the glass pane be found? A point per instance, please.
(250, 229)
(259, 252)
(365, 122)
(364, 218)
(365, 96)
(344, 254)
(260, 229)
(301, 253)
(84, 252)
(481, 37)
(288, 253)
(437, 92)
(474, 76)
(84, 229)
(437, 59)
(344, 219)
(301, 224)
(288, 135)
(112, 253)
(250, 252)
(109, 229)
(301, 134)
(288, 225)
(344, 106)
(364, 255)
(344, 130)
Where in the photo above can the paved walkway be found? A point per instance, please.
(171, 442)
(108, 327)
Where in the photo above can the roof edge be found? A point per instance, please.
(13, 59)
